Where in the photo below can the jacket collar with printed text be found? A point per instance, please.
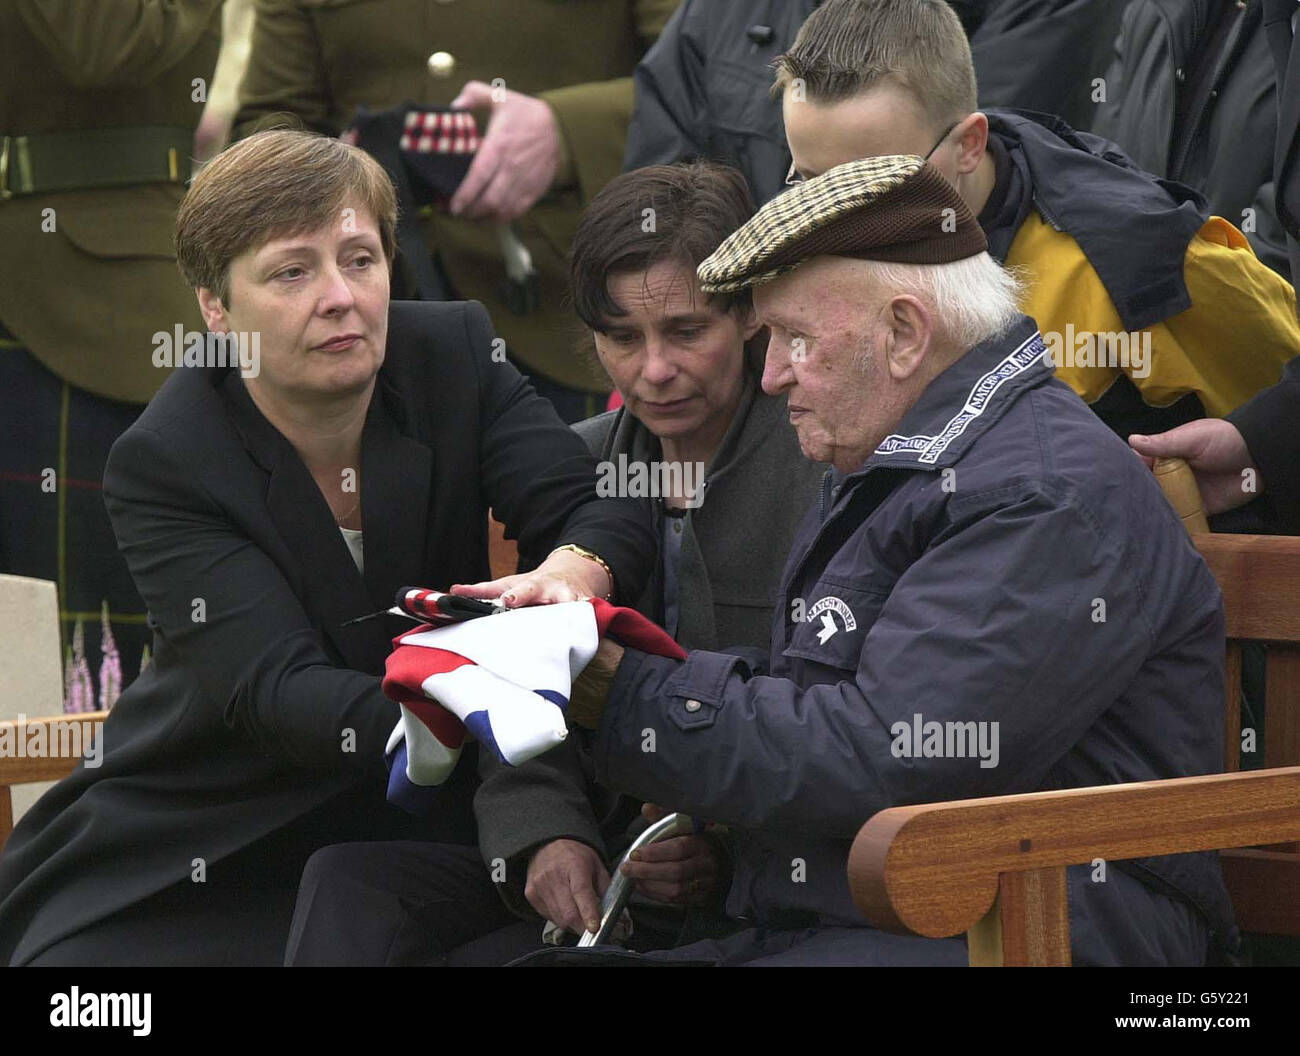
(958, 407)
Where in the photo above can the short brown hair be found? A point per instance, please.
(696, 205)
(271, 185)
(848, 46)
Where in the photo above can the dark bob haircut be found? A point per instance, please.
(679, 213)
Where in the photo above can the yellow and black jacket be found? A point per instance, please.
(1107, 249)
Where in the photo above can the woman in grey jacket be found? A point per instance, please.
(726, 486)
(687, 366)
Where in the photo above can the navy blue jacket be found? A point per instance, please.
(1003, 559)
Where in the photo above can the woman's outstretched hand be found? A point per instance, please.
(563, 576)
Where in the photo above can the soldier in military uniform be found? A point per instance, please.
(97, 114)
(555, 76)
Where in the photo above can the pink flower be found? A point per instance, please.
(71, 698)
(79, 689)
(110, 667)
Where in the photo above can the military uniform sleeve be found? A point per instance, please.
(117, 42)
(992, 624)
(1270, 425)
(651, 18)
(593, 118)
(1237, 335)
(285, 73)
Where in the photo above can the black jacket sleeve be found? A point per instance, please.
(1042, 54)
(1270, 425)
(540, 479)
(669, 121)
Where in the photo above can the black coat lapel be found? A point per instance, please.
(396, 476)
(324, 575)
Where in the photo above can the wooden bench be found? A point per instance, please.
(21, 770)
(995, 868)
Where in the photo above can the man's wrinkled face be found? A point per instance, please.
(320, 302)
(829, 331)
(885, 119)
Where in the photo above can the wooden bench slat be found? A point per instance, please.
(1282, 707)
(6, 814)
(1232, 709)
(1035, 918)
(1265, 890)
(1260, 579)
(30, 771)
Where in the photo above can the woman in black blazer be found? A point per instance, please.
(356, 448)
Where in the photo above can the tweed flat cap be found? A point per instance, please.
(894, 208)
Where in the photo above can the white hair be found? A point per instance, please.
(971, 300)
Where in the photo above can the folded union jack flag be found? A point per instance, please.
(504, 679)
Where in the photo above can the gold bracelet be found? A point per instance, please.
(582, 551)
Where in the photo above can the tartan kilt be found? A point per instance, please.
(54, 442)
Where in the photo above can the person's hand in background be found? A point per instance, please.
(517, 159)
(1217, 455)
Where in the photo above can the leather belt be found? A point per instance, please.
(95, 157)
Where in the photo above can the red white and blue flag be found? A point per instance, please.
(505, 679)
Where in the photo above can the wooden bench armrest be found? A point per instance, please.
(55, 734)
(933, 869)
(41, 749)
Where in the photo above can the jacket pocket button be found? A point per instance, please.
(692, 705)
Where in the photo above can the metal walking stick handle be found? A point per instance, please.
(621, 886)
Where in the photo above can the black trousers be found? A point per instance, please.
(241, 912)
(403, 903)
(185, 925)
(434, 904)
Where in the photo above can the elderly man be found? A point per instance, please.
(992, 596)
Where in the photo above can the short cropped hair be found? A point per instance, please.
(849, 46)
(972, 299)
(275, 184)
(679, 213)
